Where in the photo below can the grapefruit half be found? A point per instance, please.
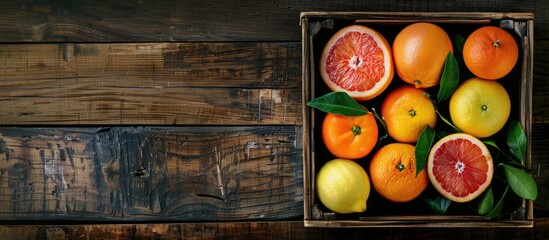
(460, 167)
(357, 60)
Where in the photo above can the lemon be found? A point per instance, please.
(480, 107)
(343, 186)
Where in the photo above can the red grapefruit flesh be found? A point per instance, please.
(460, 167)
(357, 60)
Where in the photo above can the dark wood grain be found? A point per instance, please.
(260, 230)
(540, 111)
(540, 167)
(228, 73)
(204, 20)
(150, 83)
(160, 174)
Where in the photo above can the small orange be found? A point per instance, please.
(349, 137)
(419, 53)
(406, 110)
(393, 173)
(490, 52)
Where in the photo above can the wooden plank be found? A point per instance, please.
(540, 168)
(150, 83)
(160, 174)
(540, 98)
(260, 230)
(203, 20)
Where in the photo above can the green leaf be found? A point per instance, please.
(338, 103)
(459, 42)
(448, 122)
(491, 142)
(487, 202)
(516, 139)
(441, 134)
(496, 211)
(423, 146)
(522, 183)
(438, 205)
(449, 79)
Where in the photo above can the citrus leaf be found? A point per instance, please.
(423, 146)
(449, 79)
(459, 42)
(448, 122)
(338, 103)
(516, 140)
(491, 142)
(522, 183)
(486, 204)
(438, 205)
(496, 211)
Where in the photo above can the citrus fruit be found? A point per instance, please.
(393, 173)
(419, 53)
(406, 110)
(343, 186)
(460, 167)
(357, 60)
(480, 107)
(490, 52)
(349, 137)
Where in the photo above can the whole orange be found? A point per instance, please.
(393, 173)
(349, 137)
(406, 110)
(490, 52)
(419, 53)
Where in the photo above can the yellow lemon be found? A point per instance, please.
(480, 107)
(343, 186)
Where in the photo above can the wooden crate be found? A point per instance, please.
(317, 28)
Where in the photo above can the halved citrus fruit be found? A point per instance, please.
(460, 167)
(357, 60)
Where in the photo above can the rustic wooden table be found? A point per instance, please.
(182, 119)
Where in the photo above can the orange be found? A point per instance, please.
(349, 137)
(406, 110)
(357, 60)
(480, 107)
(393, 173)
(460, 167)
(490, 52)
(419, 53)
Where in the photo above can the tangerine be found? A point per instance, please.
(393, 173)
(349, 137)
(406, 110)
(490, 52)
(419, 54)
(357, 60)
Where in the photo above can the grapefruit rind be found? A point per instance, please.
(381, 83)
(439, 186)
